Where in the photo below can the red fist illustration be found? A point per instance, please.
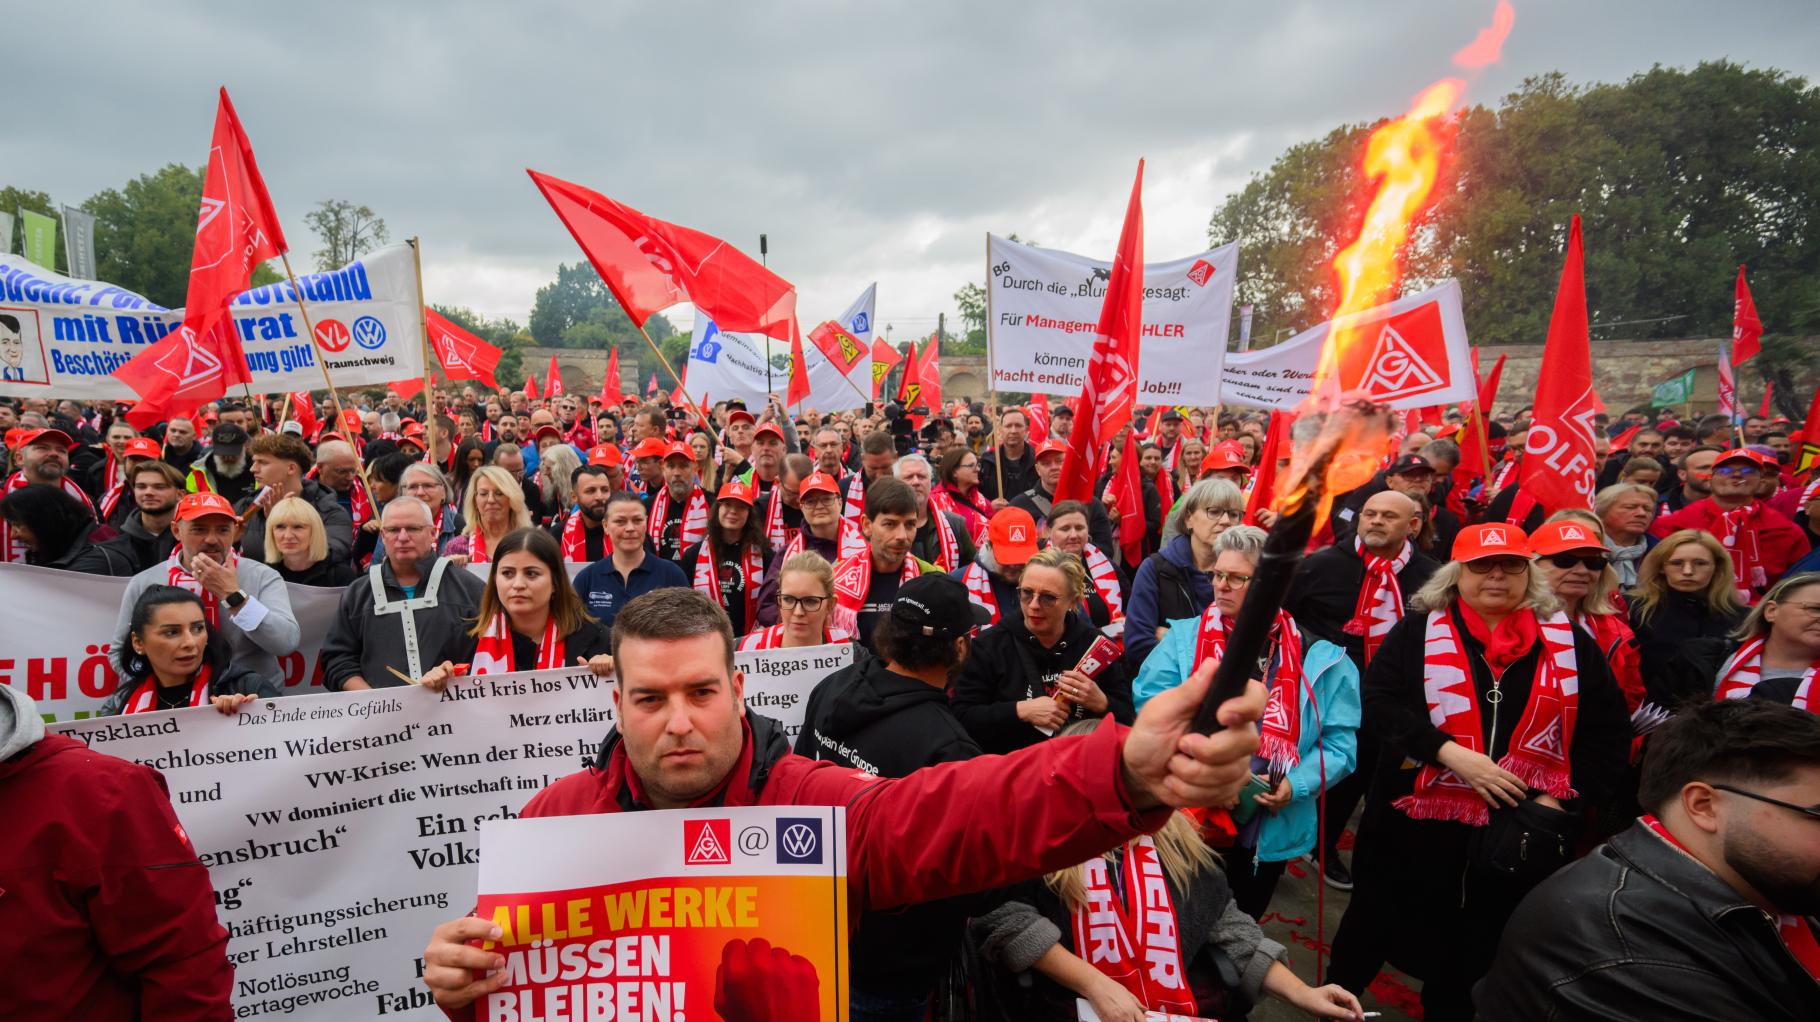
(760, 983)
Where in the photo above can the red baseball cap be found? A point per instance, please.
(1741, 454)
(142, 447)
(1049, 447)
(733, 489)
(817, 482)
(412, 429)
(740, 414)
(1476, 542)
(768, 427)
(1562, 536)
(350, 419)
(1227, 454)
(200, 505)
(1013, 535)
(46, 436)
(545, 428)
(605, 454)
(679, 449)
(650, 447)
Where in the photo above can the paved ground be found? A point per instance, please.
(1293, 921)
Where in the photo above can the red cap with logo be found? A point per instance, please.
(768, 429)
(650, 447)
(678, 449)
(733, 489)
(817, 482)
(199, 505)
(1227, 454)
(1479, 541)
(1741, 454)
(46, 436)
(1049, 447)
(605, 454)
(1013, 535)
(1562, 536)
(142, 447)
(740, 415)
(545, 430)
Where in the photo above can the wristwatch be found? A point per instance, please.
(235, 600)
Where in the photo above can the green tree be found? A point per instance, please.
(577, 311)
(348, 231)
(12, 200)
(503, 332)
(145, 234)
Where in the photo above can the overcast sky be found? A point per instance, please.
(870, 141)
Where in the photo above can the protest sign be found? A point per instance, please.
(742, 909)
(72, 334)
(723, 364)
(1417, 357)
(1046, 307)
(339, 829)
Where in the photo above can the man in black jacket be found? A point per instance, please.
(888, 715)
(1039, 500)
(1706, 908)
(145, 536)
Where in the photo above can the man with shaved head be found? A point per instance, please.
(1351, 594)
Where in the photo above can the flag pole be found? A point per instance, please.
(315, 342)
(430, 427)
(668, 368)
(998, 461)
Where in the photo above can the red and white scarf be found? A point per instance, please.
(11, 550)
(979, 590)
(575, 538)
(773, 637)
(948, 555)
(180, 577)
(145, 699)
(851, 542)
(1280, 730)
(775, 536)
(855, 506)
(1380, 604)
(852, 579)
(360, 504)
(1136, 940)
(115, 474)
(694, 519)
(707, 577)
(1538, 746)
(956, 503)
(493, 653)
(1745, 669)
(1738, 530)
(477, 546)
(1105, 579)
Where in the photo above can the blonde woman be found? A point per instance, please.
(1040, 930)
(1684, 610)
(297, 545)
(1779, 654)
(494, 506)
(1626, 511)
(805, 602)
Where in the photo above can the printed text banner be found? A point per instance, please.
(1046, 308)
(340, 829)
(672, 921)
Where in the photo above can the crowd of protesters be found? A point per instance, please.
(1636, 836)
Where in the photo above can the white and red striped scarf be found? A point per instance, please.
(360, 504)
(948, 555)
(180, 577)
(11, 550)
(1135, 940)
(1105, 579)
(1380, 604)
(493, 653)
(1280, 729)
(773, 637)
(957, 504)
(775, 536)
(115, 474)
(1744, 670)
(1737, 529)
(979, 590)
(145, 698)
(1538, 747)
(707, 577)
(855, 507)
(575, 538)
(694, 519)
(851, 542)
(852, 579)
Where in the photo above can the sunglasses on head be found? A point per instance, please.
(1565, 561)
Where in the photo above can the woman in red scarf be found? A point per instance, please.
(170, 658)
(805, 606)
(1498, 702)
(728, 565)
(530, 619)
(958, 490)
(1780, 656)
(1571, 555)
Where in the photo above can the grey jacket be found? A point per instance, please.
(274, 629)
(363, 644)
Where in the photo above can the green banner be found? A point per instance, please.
(1678, 390)
(40, 238)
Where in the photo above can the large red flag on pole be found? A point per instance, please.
(1558, 460)
(1128, 497)
(1264, 483)
(910, 384)
(610, 395)
(1809, 454)
(236, 229)
(1747, 329)
(531, 386)
(1112, 372)
(929, 371)
(552, 381)
(463, 356)
(1475, 450)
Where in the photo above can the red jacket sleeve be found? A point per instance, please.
(986, 822)
(152, 907)
(1688, 517)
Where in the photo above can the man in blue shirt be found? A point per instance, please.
(631, 569)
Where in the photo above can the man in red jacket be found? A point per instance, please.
(1763, 541)
(685, 739)
(105, 911)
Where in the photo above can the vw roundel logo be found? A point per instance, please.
(799, 841)
(368, 332)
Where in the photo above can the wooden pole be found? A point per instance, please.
(674, 375)
(430, 427)
(308, 328)
(998, 467)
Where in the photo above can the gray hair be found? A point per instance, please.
(388, 421)
(1604, 499)
(406, 500)
(425, 468)
(897, 467)
(1215, 493)
(1443, 589)
(334, 448)
(556, 474)
(1246, 540)
(1441, 450)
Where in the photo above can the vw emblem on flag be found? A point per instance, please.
(799, 841)
(861, 323)
(368, 332)
(709, 348)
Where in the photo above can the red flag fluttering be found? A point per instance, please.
(798, 391)
(236, 230)
(1127, 493)
(884, 359)
(1621, 442)
(552, 381)
(1475, 445)
(1769, 387)
(1037, 414)
(610, 395)
(1110, 393)
(463, 355)
(531, 386)
(929, 371)
(910, 384)
(1747, 329)
(1264, 482)
(304, 411)
(651, 387)
(839, 345)
(1558, 460)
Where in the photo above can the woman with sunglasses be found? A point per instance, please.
(1780, 655)
(1512, 723)
(805, 603)
(1571, 555)
(1022, 681)
(1310, 731)
(1683, 611)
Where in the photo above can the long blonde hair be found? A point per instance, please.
(1721, 592)
(1598, 598)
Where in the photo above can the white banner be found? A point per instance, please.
(340, 828)
(1411, 353)
(1045, 309)
(72, 334)
(725, 365)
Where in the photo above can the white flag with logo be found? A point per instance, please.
(726, 365)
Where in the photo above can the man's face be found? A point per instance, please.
(680, 715)
(565, 409)
(821, 509)
(1735, 479)
(470, 424)
(1778, 442)
(827, 451)
(679, 477)
(338, 471)
(877, 466)
(212, 535)
(1170, 429)
(1630, 514)
(1049, 470)
(153, 494)
(1412, 483)
(1013, 429)
(626, 526)
(179, 434)
(12, 346)
(1387, 519)
(547, 441)
(915, 475)
(591, 492)
(273, 471)
(1060, 426)
(767, 455)
(8, 417)
(510, 457)
(1773, 849)
(495, 412)
(425, 488)
(890, 536)
(1753, 429)
(520, 403)
(239, 417)
(508, 430)
(606, 430)
(45, 462)
(739, 434)
(117, 435)
(1674, 447)
(1697, 476)
(1646, 444)
(975, 426)
(408, 534)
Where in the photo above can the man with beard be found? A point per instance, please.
(180, 447)
(679, 508)
(1693, 479)
(867, 583)
(224, 469)
(44, 459)
(1706, 907)
(145, 533)
(1647, 443)
(583, 535)
(1763, 541)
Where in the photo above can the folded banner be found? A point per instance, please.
(724, 364)
(744, 909)
(72, 334)
(1418, 356)
(340, 829)
(1046, 308)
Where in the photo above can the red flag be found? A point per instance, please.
(1809, 454)
(407, 389)
(1264, 483)
(798, 391)
(610, 396)
(929, 371)
(1128, 493)
(1747, 329)
(1769, 388)
(1621, 442)
(1111, 386)
(1475, 454)
(1037, 412)
(884, 357)
(842, 348)
(552, 381)
(304, 411)
(1558, 454)
(650, 265)
(236, 229)
(910, 384)
(463, 356)
(531, 386)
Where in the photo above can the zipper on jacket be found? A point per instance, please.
(1496, 698)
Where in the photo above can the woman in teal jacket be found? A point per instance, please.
(1307, 741)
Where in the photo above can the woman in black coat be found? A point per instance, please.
(171, 658)
(530, 618)
(1684, 611)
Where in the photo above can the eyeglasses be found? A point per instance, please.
(1037, 597)
(1231, 578)
(1507, 565)
(1219, 514)
(1810, 811)
(1810, 609)
(807, 604)
(1565, 561)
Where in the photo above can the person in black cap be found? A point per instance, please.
(224, 469)
(888, 715)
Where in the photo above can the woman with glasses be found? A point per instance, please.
(1499, 722)
(1309, 735)
(1683, 611)
(1176, 582)
(805, 600)
(494, 505)
(1570, 553)
(1022, 681)
(957, 490)
(1780, 655)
